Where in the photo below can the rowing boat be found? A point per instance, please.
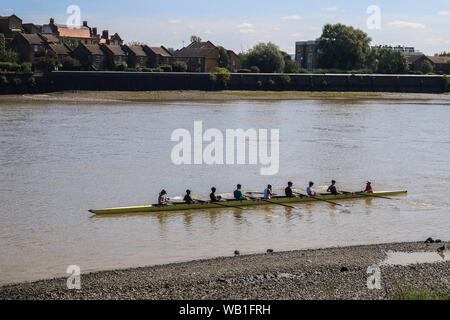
(242, 203)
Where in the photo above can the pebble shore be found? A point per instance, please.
(333, 273)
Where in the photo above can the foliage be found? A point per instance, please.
(26, 67)
(121, 66)
(343, 47)
(10, 56)
(179, 66)
(443, 54)
(71, 43)
(10, 67)
(166, 68)
(254, 69)
(195, 38)
(285, 80)
(71, 64)
(47, 60)
(426, 67)
(389, 61)
(221, 78)
(244, 71)
(401, 292)
(291, 66)
(223, 57)
(267, 57)
(243, 59)
(2, 47)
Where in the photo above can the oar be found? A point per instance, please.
(280, 204)
(221, 204)
(370, 195)
(318, 199)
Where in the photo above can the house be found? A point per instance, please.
(306, 54)
(10, 26)
(157, 56)
(49, 38)
(28, 45)
(83, 34)
(91, 56)
(440, 64)
(199, 57)
(60, 49)
(233, 61)
(415, 61)
(114, 55)
(136, 56)
(31, 28)
(105, 38)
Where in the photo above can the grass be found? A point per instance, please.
(408, 292)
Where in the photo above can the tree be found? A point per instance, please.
(390, 61)
(291, 66)
(179, 66)
(71, 64)
(47, 60)
(427, 67)
(343, 47)
(267, 57)
(2, 47)
(223, 57)
(443, 54)
(195, 38)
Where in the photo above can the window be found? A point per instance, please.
(97, 58)
(142, 60)
(234, 63)
(120, 59)
(199, 60)
(35, 48)
(13, 26)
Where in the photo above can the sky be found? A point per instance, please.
(240, 24)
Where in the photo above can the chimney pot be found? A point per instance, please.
(94, 31)
(85, 23)
(52, 21)
(105, 34)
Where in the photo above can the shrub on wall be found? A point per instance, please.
(179, 66)
(244, 71)
(166, 68)
(254, 69)
(221, 78)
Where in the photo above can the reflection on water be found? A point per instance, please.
(58, 161)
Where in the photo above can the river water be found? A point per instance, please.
(59, 160)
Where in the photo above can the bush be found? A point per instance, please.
(71, 64)
(244, 71)
(16, 82)
(32, 81)
(157, 70)
(271, 84)
(427, 67)
(291, 66)
(4, 80)
(285, 80)
(221, 78)
(254, 69)
(136, 69)
(26, 68)
(166, 68)
(122, 66)
(179, 66)
(10, 67)
(259, 84)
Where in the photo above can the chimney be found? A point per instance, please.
(94, 31)
(52, 21)
(105, 34)
(85, 23)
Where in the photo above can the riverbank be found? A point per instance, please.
(192, 95)
(333, 273)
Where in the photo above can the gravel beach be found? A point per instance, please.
(333, 273)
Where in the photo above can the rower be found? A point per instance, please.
(163, 199)
(213, 196)
(332, 189)
(268, 193)
(309, 189)
(238, 193)
(288, 190)
(188, 198)
(369, 187)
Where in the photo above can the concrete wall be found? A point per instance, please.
(147, 81)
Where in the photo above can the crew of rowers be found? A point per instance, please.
(163, 199)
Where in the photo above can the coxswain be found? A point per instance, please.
(369, 187)
(163, 199)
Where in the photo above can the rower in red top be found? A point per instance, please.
(369, 188)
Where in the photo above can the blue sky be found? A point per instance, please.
(240, 24)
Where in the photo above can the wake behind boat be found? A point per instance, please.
(243, 203)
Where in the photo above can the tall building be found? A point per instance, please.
(306, 54)
(408, 51)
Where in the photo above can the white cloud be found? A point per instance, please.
(244, 25)
(208, 32)
(298, 34)
(247, 30)
(330, 9)
(175, 21)
(295, 17)
(405, 24)
(444, 13)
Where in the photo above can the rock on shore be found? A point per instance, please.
(334, 273)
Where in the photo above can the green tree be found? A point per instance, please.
(71, 64)
(343, 47)
(243, 60)
(47, 60)
(179, 66)
(427, 67)
(291, 66)
(2, 47)
(195, 38)
(390, 61)
(443, 54)
(267, 57)
(223, 57)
